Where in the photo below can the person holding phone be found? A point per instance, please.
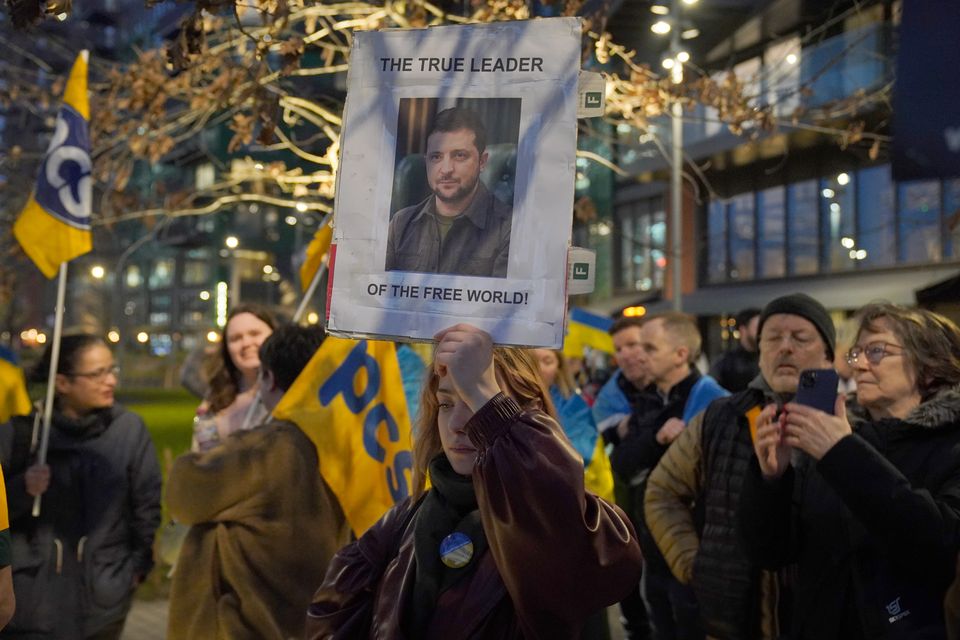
(866, 501)
(693, 492)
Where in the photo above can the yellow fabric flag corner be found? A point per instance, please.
(349, 400)
(54, 226)
(316, 252)
(14, 400)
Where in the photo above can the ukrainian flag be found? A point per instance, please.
(350, 401)
(586, 329)
(54, 226)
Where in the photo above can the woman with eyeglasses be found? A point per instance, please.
(866, 502)
(76, 566)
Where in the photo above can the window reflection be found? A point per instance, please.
(642, 259)
(742, 234)
(837, 209)
(876, 224)
(802, 235)
(920, 221)
(770, 235)
(717, 242)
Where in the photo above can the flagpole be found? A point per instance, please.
(297, 316)
(52, 376)
(315, 282)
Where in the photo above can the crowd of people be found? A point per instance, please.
(707, 505)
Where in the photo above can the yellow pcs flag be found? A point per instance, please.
(349, 400)
(54, 226)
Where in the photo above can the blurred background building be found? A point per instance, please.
(809, 206)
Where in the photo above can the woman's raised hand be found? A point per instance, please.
(465, 354)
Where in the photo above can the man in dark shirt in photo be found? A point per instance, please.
(461, 228)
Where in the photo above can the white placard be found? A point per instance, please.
(430, 228)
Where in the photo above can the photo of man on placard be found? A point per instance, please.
(461, 227)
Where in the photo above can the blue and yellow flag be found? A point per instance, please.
(349, 400)
(54, 226)
(587, 329)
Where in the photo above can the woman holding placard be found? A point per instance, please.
(506, 543)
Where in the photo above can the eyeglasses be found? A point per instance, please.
(875, 352)
(99, 375)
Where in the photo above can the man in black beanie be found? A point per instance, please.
(696, 486)
(802, 305)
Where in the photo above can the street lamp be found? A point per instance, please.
(98, 272)
(660, 27)
(673, 62)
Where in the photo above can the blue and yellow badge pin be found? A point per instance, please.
(54, 226)
(456, 550)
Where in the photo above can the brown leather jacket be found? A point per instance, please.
(556, 554)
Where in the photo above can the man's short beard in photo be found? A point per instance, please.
(459, 194)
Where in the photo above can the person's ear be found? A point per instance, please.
(683, 353)
(61, 383)
(483, 159)
(269, 381)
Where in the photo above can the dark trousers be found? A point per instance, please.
(596, 627)
(672, 607)
(634, 615)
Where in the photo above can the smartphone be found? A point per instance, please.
(818, 389)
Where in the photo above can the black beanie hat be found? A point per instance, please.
(800, 304)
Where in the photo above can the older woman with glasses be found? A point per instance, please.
(866, 502)
(76, 566)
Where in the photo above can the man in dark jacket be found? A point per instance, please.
(706, 468)
(671, 344)
(461, 227)
(738, 367)
(627, 386)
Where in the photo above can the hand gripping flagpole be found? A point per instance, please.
(297, 316)
(51, 377)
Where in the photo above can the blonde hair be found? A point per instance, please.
(682, 327)
(520, 373)
(564, 379)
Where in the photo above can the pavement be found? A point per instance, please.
(147, 620)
